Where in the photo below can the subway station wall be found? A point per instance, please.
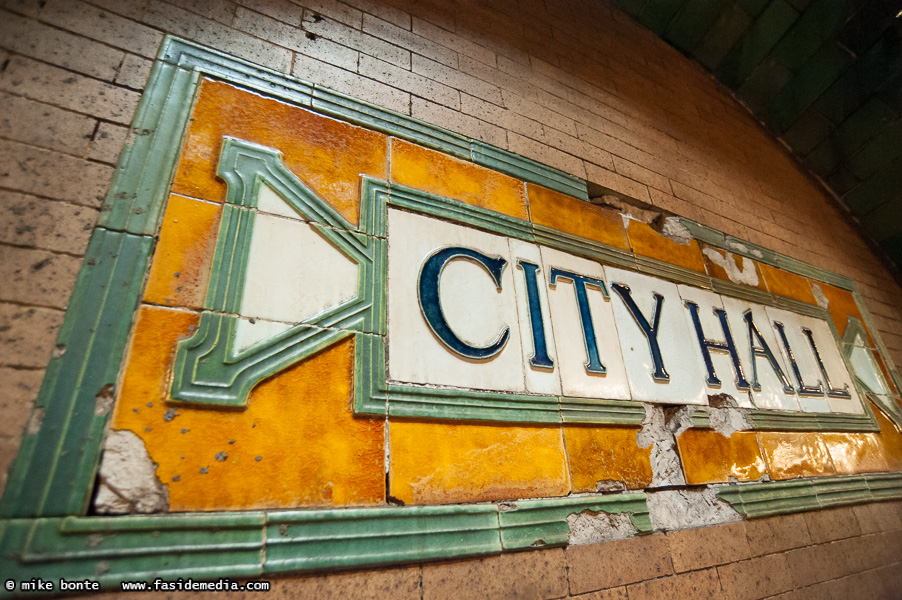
(448, 413)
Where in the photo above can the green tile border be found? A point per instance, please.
(773, 498)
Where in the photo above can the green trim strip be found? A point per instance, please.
(54, 470)
(783, 497)
(543, 523)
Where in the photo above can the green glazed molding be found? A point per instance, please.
(783, 497)
(543, 523)
(53, 474)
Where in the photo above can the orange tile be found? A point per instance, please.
(709, 457)
(855, 452)
(599, 455)
(570, 215)
(440, 463)
(646, 241)
(297, 443)
(791, 455)
(890, 440)
(444, 175)
(180, 270)
(787, 284)
(742, 270)
(842, 305)
(326, 154)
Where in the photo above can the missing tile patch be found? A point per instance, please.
(128, 479)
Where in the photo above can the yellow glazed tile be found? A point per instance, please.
(601, 455)
(180, 271)
(646, 241)
(855, 452)
(450, 177)
(440, 463)
(792, 455)
(327, 155)
(709, 457)
(570, 215)
(784, 283)
(842, 305)
(726, 265)
(890, 440)
(297, 443)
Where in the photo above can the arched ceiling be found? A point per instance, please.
(824, 75)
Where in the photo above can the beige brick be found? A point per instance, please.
(755, 578)
(502, 117)
(281, 10)
(814, 564)
(860, 585)
(698, 584)
(107, 143)
(834, 524)
(619, 184)
(641, 174)
(221, 11)
(103, 26)
(295, 39)
(618, 593)
(458, 122)
(400, 584)
(351, 83)
(18, 391)
(777, 534)
(612, 564)
(134, 9)
(40, 223)
(417, 85)
(337, 10)
(874, 518)
(134, 72)
(499, 577)
(28, 37)
(8, 449)
(61, 88)
(43, 125)
(410, 40)
(204, 31)
(537, 112)
(45, 173)
(382, 10)
(30, 8)
(453, 41)
(546, 155)
(353, 38)
(891, 576)
(37, 276)
(693, 549)
(456, 79)
(27, 335)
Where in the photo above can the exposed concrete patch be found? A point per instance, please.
(128, 479)
(590, 527)
(747, 275)
(740, 247)
(725, 415)
(684, 509)
(103, 403)
(34, 421)
(819, 296)
(610, 485)
(659, 431)
(673, 229)
(628, 210)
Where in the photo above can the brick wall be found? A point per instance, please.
(576, 85)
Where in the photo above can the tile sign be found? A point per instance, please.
(295, 300)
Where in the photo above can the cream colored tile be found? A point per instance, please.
(269, 201)
(476, 310)
(685, 383)
(250, 332)
(771, 395)
(814, 399)
(712, 329)
(570, 340)
(539, 379)
(834, 365)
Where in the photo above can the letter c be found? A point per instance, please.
(430, 305)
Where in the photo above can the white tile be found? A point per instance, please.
(476, 311)
(539, 380)
(269, 201)
(771, 394)
(712, 329)
(804, 359)
(294, 273)
(686, 384)
(865, 367)
(249, 333)
(569, 339)
(834, 364)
